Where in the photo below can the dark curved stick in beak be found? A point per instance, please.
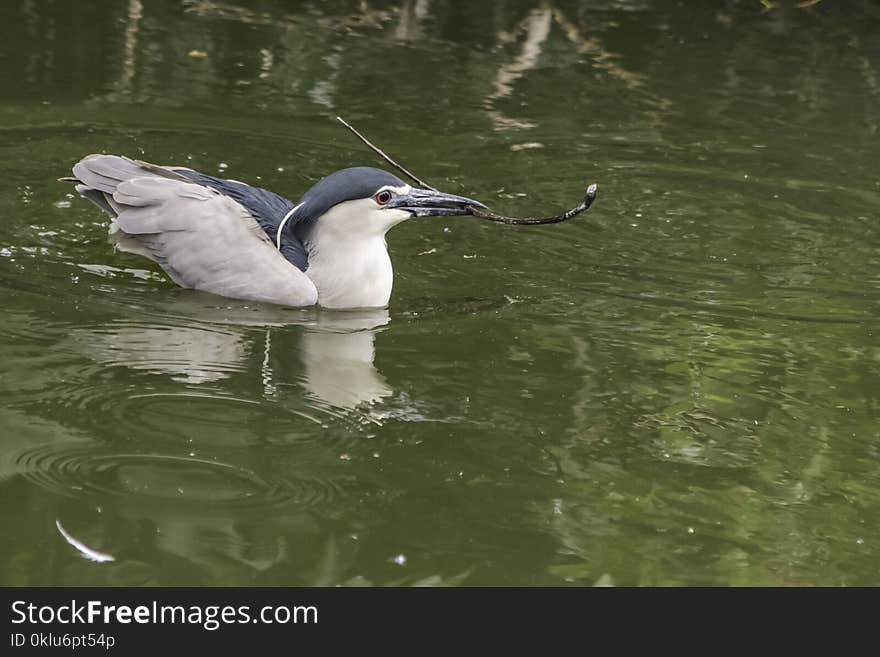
(485, 213)
(589, 197)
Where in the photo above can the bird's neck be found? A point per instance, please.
(350, 273)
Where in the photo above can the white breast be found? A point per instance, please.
(352, 275)
(348, 256)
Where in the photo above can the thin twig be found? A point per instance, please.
(482, 213)
(382, 153)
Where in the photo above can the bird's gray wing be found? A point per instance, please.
(201, 238)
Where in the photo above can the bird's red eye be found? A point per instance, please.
(383, 197)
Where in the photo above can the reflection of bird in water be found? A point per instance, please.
(338, 358)
(189, 355)
(336, 350)
(226, 510)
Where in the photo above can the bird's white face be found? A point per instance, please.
(364, 218)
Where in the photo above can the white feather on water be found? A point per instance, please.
(82, 548)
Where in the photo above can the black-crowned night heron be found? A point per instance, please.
(235, 240)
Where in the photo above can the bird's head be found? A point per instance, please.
(367, 202)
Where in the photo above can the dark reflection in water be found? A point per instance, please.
(679, 389)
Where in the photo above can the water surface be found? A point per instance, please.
(680, 387)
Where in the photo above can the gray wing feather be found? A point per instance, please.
(201, 238)
(105, 172)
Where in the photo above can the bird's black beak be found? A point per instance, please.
(430, 203)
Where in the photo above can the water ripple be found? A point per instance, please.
(91, 470)
(698, 437)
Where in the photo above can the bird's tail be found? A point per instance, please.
(97, 178)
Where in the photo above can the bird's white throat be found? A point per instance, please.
(348, 256)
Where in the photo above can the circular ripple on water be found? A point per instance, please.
(194, 418)
(82, 471)
(115, 410)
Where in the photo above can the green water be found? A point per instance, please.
(680, 387)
